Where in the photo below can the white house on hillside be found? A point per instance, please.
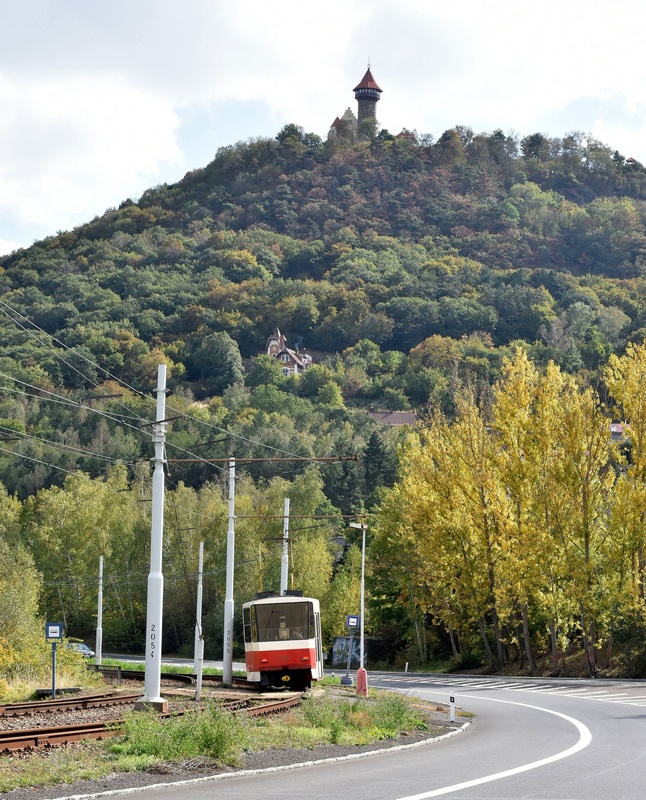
(293, 362)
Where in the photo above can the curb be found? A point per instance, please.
(228, 775)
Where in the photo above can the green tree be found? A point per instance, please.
(217, 362)
(21, 644)
(265, 371)
(68, 530)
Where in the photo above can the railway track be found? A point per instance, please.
(67, 704)
(188, 678)
(35, 738)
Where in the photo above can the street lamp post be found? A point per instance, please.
(362, 675)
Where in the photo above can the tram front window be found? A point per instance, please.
(282, 621)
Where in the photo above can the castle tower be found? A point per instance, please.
(366, 94)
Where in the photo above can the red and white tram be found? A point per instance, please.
(282, 638)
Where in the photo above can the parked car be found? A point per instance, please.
(81, 648)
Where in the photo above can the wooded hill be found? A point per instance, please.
(410, 268)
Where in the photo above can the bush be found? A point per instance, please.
(211, 733)
(384, 715)
(320, 712)
(466, 660)
(392, 713)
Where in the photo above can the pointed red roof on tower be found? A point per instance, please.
(368, 82)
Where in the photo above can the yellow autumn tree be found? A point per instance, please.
(625, 378)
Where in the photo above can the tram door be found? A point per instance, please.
(319, 645)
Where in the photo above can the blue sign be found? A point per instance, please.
(352, 622)
(53, 632)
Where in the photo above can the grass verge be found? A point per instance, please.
(329, 715)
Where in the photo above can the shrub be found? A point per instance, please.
(211, 733)
(467, 660)
(385, 714)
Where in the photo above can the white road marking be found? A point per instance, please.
(585, 737)
(579, 692)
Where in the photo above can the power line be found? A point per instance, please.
(37, 461)
(180, 412)
(259, 460)
(78, 405)
(114, 377)
(62, 344)
(65, 448)
(62, 401)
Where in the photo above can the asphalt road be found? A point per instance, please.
(539, 739)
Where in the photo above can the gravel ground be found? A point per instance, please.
(198, 768)
(53, 719)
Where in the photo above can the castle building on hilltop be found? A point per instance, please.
(349, 126)
(366, 93)
(363, 125)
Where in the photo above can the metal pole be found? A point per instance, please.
(227, 650)
(53, 670)
(199, 638)
(99, 617)
(155, 603)
(363, 592)
(346, 680)
(284, 561)
(362, 675)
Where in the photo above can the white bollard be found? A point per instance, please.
(451, 709)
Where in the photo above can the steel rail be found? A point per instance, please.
(38, 738)
(65, 704)
(270, 708)
(181, 677)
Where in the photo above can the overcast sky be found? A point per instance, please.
(100, 100)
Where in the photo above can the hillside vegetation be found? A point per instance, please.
(419, 274)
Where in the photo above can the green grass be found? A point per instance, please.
(331, 714)
(170, 669)
(58, 765)
(212, 733)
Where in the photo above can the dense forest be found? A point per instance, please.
(421, 275)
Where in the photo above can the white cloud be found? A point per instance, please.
(7, 246)
(80, 146)
(100, 101)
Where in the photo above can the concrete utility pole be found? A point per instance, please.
(199, 637)
(155, 603)
(284, 561)
(99, 617)
(227, 650)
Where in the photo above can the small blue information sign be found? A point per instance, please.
(53, 636)
(53, 632)
(352, 622)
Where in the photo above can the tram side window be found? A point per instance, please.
(248, 624)
(283, 621)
